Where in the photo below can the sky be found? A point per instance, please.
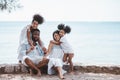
(66, 10)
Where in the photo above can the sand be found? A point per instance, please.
(75, 76)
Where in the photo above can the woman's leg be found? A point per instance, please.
(70, 61)
(59, 69)
(32, 66)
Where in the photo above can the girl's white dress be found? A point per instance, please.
(55, 59)
(22, 40)
(66, 47)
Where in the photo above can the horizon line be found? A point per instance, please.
(56, 21)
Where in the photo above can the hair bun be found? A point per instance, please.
(67, 29)
(61, 26)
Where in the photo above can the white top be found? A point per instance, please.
(56, 52)
(35, 55)
(36, 52)
(67, 48)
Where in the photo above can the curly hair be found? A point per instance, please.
(57, 32)
(61, 26)
(38, 18)
(66, 28)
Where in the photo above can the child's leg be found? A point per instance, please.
(40, 42)
(70, 56)
(65, 57)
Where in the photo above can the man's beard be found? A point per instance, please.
(35, 40)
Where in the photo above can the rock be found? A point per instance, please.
(9, 69)
(20, 68)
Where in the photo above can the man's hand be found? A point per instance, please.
(44, 49)
(31, 48)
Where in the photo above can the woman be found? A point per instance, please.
(55, 55)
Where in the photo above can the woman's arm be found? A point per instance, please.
(49, 48)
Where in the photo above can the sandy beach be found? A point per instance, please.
(19, 72)
(75, 76)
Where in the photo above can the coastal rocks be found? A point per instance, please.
(19, 68)
(98, 69)
(12, 68)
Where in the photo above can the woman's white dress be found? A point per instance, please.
(55, 59)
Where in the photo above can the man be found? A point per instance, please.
(33, 57)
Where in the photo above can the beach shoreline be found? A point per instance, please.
(77, 76)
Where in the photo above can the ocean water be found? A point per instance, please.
(94, 43)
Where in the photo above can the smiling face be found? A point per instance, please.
(61, 33)
(35, 36)
(56, 37)
(35, 24)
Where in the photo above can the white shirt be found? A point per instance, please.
(36, 52)
(65, 45)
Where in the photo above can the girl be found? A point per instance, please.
(25, 36)
(66, 47)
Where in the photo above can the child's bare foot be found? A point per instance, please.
(31, 73)
(61, 77)
(71, 72)
(39, 73)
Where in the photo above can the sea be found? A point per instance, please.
(94, 43)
